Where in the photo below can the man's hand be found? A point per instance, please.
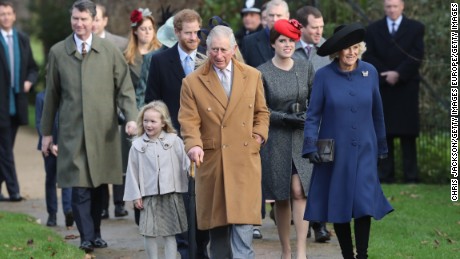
(47, 141)
(196, 155)
(54, 149)
(131, 128)
(258, 138)
(27, 86)
(392, 77)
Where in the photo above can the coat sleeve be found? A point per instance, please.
(153, 89)
(261, 113)
(132, 184)
(377, 116)
(52, 95)
(371, 55)
(314, 114)
(32, 68)
(126, 100)
(189, 117)
(409, 66)
(141, 88)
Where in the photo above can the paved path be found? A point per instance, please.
(120, 233)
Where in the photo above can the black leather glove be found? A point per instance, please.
(295, 120)
(314, 157)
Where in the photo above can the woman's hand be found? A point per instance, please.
(314, 157)
(295, 120)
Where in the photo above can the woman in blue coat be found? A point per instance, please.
(345, 105)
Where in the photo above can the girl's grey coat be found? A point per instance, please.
(156, 167)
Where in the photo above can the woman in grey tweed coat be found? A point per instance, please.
(285, 174)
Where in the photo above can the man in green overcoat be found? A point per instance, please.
(87, 79)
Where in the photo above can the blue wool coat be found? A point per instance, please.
(346, 106)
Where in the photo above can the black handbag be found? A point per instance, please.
(326, 149)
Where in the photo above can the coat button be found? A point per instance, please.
(354, 143)
(209, 109)
(353, 127)
(353, 109)
(352, 93)
(245, 143)
(250, 106)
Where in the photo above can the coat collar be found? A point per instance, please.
(71, 48)
(208, 76)
(166, 140)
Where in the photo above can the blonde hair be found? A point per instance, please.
(362, 49)
(161, 108)
(132, 49)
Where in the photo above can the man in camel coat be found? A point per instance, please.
(224, 121)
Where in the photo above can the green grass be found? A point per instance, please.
(425, 224)
(22, 237)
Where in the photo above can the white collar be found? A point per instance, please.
(183, 54)
(228, 68)
(88, 42)
(304, 44)
(5, 34)
(397, 22)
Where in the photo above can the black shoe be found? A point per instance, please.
(105, 214)
(99, 243)
(321, 233)
(69, 219)
(87, 246)
(2, 198)
(16, 198)
(256, 234)
(51, 222)
(120, 211)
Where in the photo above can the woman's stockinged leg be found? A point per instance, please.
(343, 232)
(283, 224)
(299, 203)
(362, 232)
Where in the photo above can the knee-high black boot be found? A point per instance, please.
(343, 232)
(362, 231)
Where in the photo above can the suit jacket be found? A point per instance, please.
(257, 48)
(402, 53)
(228, 183)
(119, 41)
(28, 71)
(317, 61)
(165, 80)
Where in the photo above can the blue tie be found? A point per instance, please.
(188, 63)
(393, 29)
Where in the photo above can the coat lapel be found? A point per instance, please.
(211, 81)
(239, 77)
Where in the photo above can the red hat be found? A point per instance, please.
(289, 28)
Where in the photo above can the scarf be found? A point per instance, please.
(17, 58)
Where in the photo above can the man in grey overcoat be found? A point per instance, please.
(87, 80)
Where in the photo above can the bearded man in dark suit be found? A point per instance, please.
(395, 47)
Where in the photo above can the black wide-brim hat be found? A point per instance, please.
(344, 37)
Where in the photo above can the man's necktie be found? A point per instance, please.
(308, 50)
(225, 82)
(188, 65)
(11, 55)
(83, 49)
(393, 29)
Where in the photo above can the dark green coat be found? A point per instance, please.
(86, 93)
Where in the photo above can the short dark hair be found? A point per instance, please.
(303, 13)
(274, 34)
(103, 10)
(7, 3)
(85, 5)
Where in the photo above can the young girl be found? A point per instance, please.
(155, 178)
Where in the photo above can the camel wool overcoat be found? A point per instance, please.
(228, 182)
(86, 92)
